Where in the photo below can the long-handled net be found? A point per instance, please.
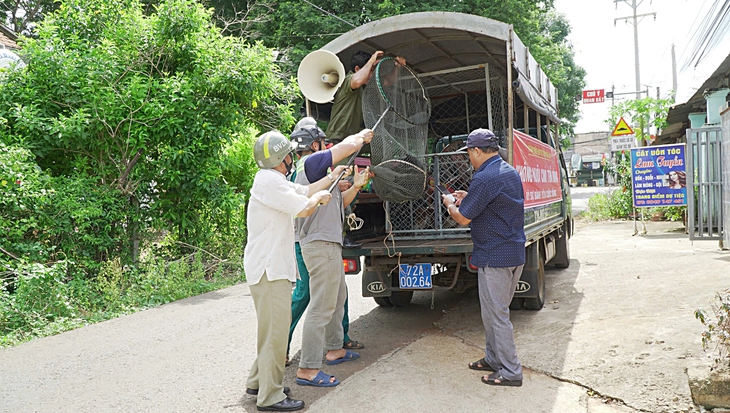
(395, 105)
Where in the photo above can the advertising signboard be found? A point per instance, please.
(658, 176)
(537, 164)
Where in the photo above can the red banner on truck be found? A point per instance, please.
(537, 164)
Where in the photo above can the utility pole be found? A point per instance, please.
(635, 21)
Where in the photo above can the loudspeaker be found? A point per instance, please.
(319, 75)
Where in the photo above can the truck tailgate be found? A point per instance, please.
(385, 247)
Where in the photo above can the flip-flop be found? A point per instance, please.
(352, 345)
(496, 379)
(349, 356)
(320, 380)
(484, 365)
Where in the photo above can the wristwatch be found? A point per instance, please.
(330, 177)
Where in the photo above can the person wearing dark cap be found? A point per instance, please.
(309, 138)
(493, 207)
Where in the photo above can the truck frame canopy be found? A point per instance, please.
(441, 41)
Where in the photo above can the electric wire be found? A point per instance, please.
(331, 14)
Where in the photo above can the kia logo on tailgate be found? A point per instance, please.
(522, 287)
(376, 287)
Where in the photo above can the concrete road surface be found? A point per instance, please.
(616, 336)
(581, 194)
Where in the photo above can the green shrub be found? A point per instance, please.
(46, 218)
(670, 213)
(616, 204)
(43, 303)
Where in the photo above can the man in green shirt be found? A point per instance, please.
(346, 118)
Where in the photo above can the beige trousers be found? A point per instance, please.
(272, 300)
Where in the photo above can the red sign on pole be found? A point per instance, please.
(537, 164)
(594, 96)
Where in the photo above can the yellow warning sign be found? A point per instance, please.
(622, 128)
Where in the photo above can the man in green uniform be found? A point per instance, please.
(346, 118)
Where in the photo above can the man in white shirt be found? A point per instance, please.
(270, 264)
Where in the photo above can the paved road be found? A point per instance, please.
(616, 336)
(581, 194)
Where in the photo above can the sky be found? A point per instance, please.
(607, 52)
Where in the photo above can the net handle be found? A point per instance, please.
(354, 155)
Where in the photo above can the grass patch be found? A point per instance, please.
(41, 300)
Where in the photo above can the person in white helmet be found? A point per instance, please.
(270, 264)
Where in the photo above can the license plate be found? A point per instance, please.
(415, 277)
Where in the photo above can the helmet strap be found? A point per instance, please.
(288, 166)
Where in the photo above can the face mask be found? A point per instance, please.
(289, 167)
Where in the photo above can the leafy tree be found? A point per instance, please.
(642, 113)
(144, 105)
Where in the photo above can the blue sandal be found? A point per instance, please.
(349, 356)
(320, 380)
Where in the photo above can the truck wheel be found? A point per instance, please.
(517, 304)
(400, 298)
(383, 301)
(537, 302)
(562, 250)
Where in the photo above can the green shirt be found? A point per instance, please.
(346, 118)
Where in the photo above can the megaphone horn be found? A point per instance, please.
(320, 75)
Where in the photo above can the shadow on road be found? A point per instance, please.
(381, 330)
(543, 338)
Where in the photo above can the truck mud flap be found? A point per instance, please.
(376, 284)
(530, 282)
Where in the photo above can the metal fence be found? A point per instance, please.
(704, 183)
(726, 177)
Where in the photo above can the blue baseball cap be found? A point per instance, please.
(482, 138)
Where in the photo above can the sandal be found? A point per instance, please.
(320, 380)
(481, 365)
(353, 345)
(349, 356)
(496, 379)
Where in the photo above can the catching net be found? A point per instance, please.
(396, 99)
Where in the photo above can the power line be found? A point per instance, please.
(709, 33)
(331, 14)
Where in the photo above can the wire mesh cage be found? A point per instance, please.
(427, 215)
(462, 100)
(465, 99)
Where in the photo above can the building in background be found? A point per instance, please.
(585, 158)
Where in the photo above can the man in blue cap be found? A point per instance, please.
(494, 210)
